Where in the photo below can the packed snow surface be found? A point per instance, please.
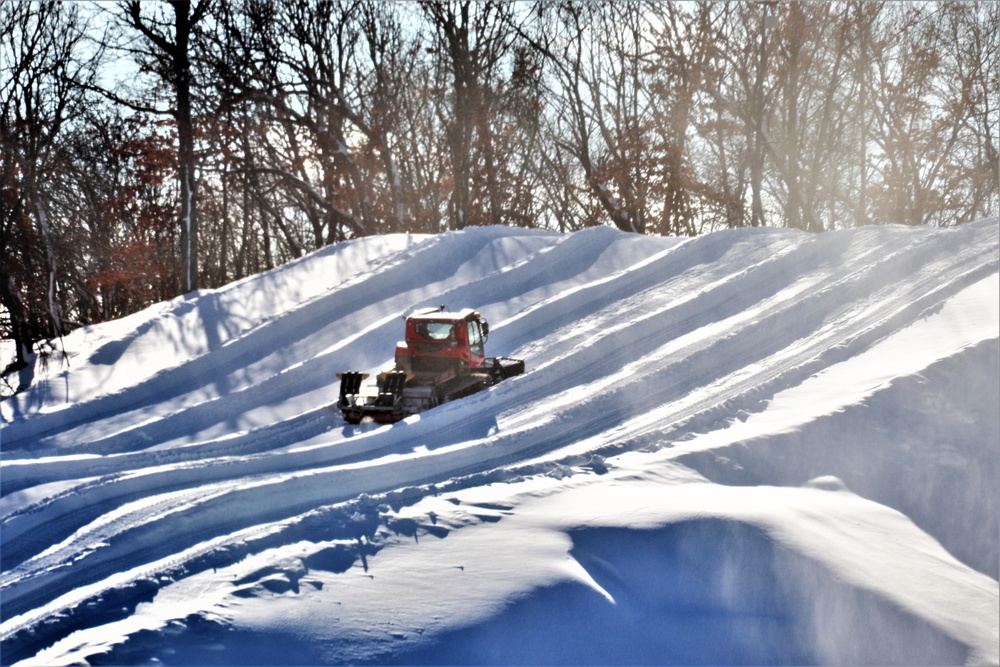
(750, 447)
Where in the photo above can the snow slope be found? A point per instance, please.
(754, 446)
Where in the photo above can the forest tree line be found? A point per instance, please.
(150, 149)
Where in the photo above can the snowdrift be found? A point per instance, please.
(751, 447)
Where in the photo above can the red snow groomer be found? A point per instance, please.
(442, 358)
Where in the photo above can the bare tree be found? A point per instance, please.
(474, 38)
(45, 71)
(600, 115)
(166, 49)
(684, 48)
(971, 92)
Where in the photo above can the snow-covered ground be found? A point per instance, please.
(751, 447)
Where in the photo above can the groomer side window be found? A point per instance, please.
(475, 338)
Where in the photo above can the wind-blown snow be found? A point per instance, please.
(750, 447)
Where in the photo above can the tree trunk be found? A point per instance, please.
(185, 146)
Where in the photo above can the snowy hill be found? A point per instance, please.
(754, 446)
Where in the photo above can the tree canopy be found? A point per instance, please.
(149, 149)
